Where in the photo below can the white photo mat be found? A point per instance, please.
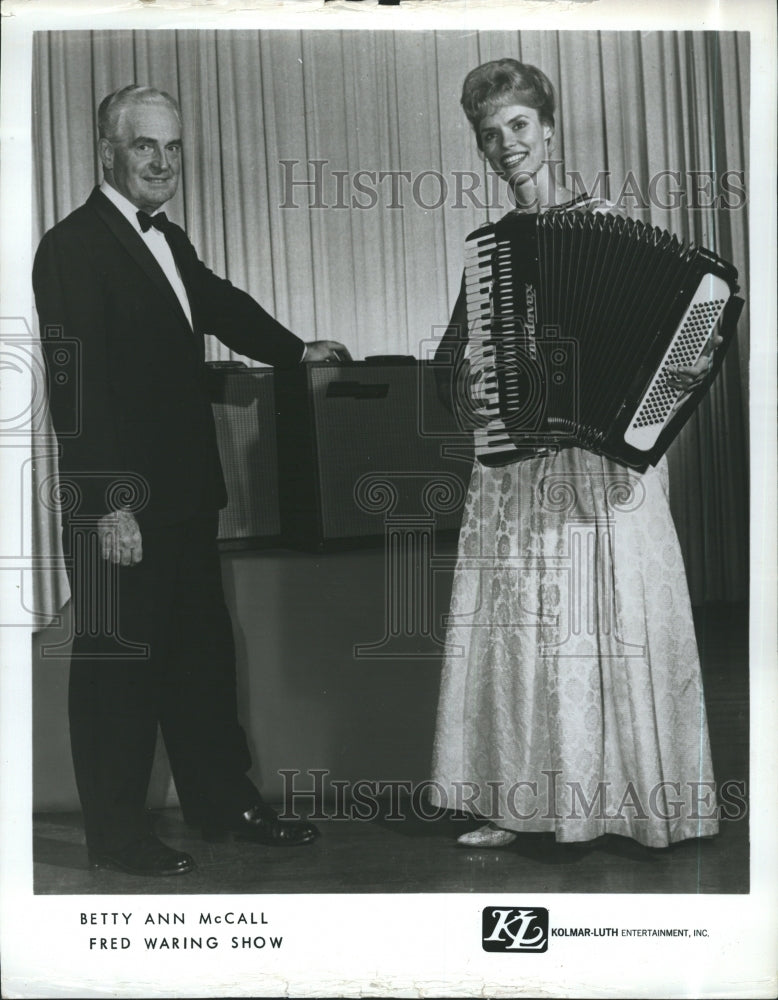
(405, 944)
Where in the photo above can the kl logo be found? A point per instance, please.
(515, 928)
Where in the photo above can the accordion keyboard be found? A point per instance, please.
(480, 394)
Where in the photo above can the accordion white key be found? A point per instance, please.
(574, 319)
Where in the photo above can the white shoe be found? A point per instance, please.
(487, 836)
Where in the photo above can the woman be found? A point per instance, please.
(571, 698)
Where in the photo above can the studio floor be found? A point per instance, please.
(412, 855)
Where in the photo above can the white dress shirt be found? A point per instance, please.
(155, 241)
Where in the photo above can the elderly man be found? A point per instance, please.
(123, 282)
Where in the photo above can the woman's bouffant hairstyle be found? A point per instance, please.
(505, 81)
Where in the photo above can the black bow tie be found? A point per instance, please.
(159, 221)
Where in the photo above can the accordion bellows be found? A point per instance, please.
(574, 319)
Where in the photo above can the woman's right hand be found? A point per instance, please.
(687, 378)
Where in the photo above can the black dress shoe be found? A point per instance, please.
(262, 825)
(148, 856)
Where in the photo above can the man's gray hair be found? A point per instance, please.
(112, 107)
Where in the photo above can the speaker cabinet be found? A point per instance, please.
(243, 403)
(362, 446)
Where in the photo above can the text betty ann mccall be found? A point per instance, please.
(175, 942)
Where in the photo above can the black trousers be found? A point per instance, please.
(154, 646)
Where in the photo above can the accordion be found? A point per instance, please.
(574, 319)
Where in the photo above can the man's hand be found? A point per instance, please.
(120, 540)
(326, 350)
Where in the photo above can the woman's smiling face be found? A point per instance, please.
(514, 141)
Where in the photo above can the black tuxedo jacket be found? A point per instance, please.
(134, 383)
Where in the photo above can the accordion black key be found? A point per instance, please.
(574, 319)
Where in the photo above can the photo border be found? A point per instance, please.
(426, 944)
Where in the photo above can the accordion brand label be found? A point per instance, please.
(529, 329)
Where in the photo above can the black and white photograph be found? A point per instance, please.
(390, 546)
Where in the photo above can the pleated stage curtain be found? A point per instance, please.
(371, 255)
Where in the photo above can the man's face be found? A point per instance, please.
(144, 162)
